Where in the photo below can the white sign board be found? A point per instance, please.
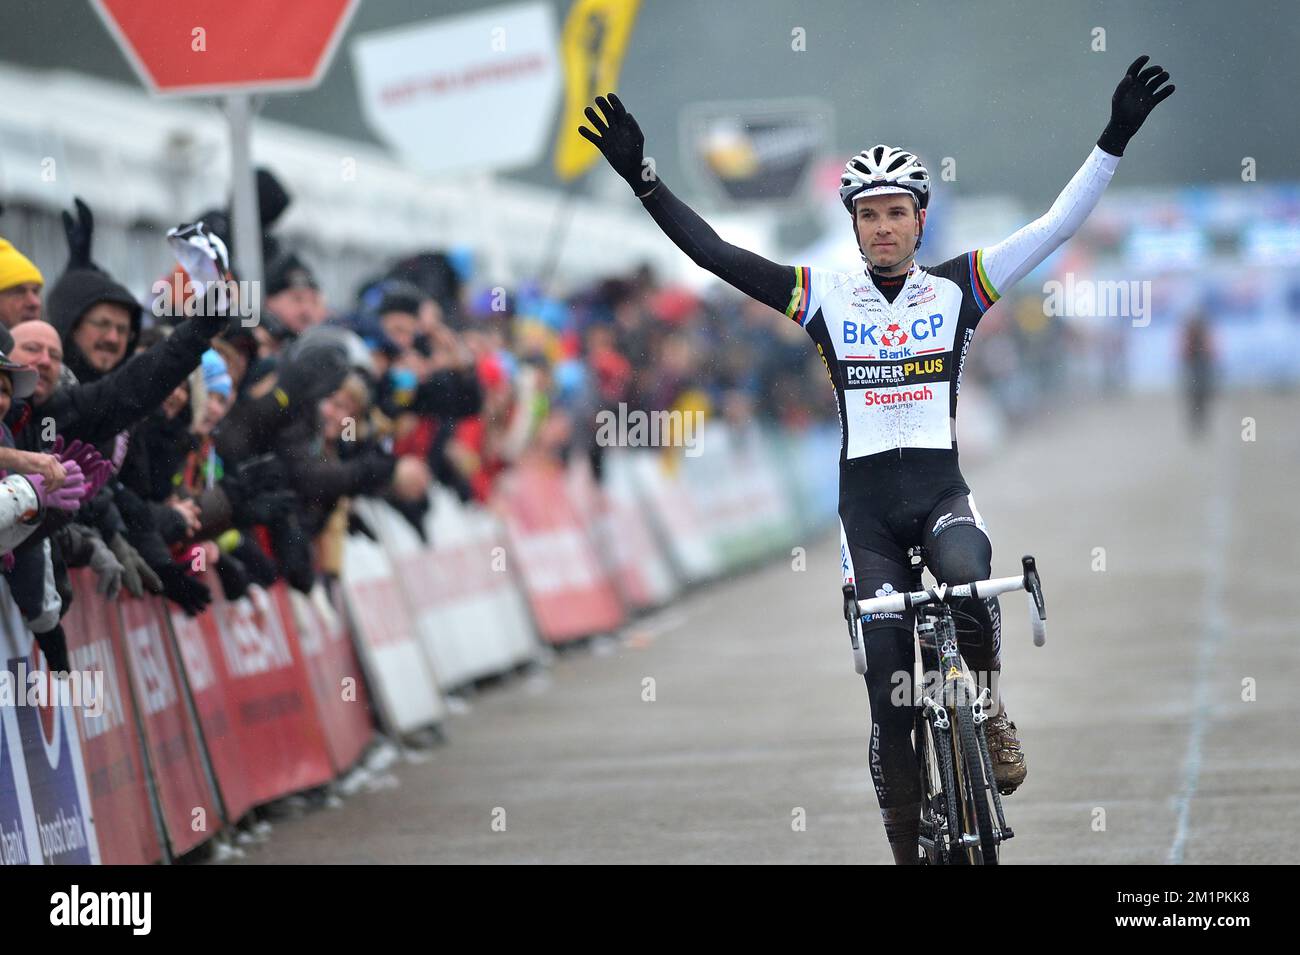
(468, 93)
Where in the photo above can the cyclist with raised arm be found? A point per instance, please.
(894, 339)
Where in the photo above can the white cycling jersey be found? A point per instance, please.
(896, 366)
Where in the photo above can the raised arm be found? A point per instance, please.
(1013, 258)
(129, 392)
(620, 140)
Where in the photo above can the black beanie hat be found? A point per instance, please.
(286, 272)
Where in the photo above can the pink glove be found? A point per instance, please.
(66, 498)
(94, 466)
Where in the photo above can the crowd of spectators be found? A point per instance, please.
(156, 438)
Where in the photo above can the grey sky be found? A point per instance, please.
(1010, 88)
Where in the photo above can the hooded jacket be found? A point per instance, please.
(101, 404)
(74, 295)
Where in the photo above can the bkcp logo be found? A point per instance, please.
(893, 335)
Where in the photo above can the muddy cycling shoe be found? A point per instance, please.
(1004, 749)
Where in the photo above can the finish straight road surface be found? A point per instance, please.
(1158, 722)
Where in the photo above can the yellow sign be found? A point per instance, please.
(595, 38)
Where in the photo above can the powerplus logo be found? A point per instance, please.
(75, 907)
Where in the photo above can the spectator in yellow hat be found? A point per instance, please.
(20, 286)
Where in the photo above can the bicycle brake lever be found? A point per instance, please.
(1037, 606)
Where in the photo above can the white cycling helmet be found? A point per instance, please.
(884, 170)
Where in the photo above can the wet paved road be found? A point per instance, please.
(1141, 747)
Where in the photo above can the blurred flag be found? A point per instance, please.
(594, 41)
(759, 151)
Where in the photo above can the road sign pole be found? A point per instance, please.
(247, 224)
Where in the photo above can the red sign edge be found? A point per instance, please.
(279, 86)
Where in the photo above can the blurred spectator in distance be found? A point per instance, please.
(293, 297)
(1197, 355)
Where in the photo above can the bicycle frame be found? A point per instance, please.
(939, 653)
(955, 826)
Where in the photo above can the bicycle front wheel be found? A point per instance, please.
(938, 806)
(976, 787)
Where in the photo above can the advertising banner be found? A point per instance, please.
(269, 708)
(110, 737)
(456, 77)
(39, 709)
(189, 809)
(342, 703)
(406, 692)
(571, 593)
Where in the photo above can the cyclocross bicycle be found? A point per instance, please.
(961, 811)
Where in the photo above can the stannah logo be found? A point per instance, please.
(898, 397)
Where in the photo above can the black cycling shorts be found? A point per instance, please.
(874, 544)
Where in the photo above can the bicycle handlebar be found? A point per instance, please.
(897, 603)
(1028, 581)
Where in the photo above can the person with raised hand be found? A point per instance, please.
(896, 372)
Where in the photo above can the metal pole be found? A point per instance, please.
(246, 225)
(559, 231)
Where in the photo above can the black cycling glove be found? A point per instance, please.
(1135, 97)
(79, 232)
(620, 140)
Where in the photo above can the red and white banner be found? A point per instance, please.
(116, 775)
(342, 703)
(405, 690)
(189, 807)
(467, 607)
(571, 594)
(256, 705)
(682, 525)
(479, 601)
(461, 73)
(616, 524)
